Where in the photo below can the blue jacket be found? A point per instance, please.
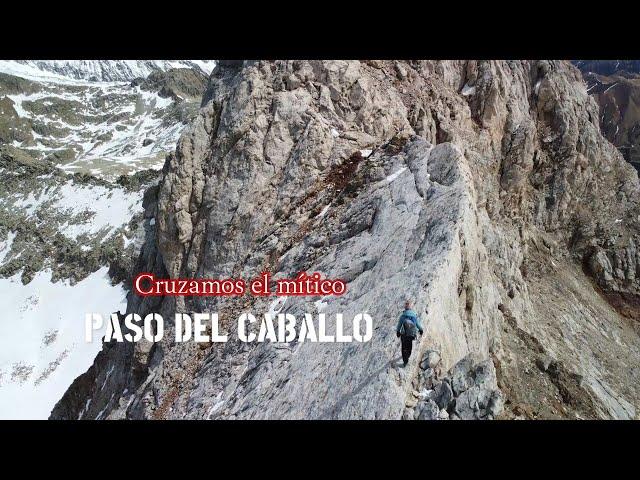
(414, 318)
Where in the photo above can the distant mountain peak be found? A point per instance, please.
(97, 70)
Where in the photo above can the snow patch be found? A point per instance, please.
(90, 209)
(324, 211)
(366, 153)
(93, 71)
(216, 406)
(536, 87)
(395, 175)
(115, 117)
(320, 305)
(30, 314)
(276, 306)
(468, 90)
(5, 246)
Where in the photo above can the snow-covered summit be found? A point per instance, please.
(96, 70)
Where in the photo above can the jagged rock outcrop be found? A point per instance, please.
(468, 392)
(483, 190)
(176, 83)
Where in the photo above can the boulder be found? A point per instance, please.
(426, 377)
(443, 395)
(461, 375)
(431, 359)
(600, 267)
(428, 410)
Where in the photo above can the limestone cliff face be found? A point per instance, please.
(483, 190)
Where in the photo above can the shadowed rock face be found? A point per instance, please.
(485, 191)
(608, 67)
(615, 85)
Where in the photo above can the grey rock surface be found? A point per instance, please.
(431, 360)
(443, 395)
(469, 391)
(428, 411)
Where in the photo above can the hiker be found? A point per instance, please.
(407, 329)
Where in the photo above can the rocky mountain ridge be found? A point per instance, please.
(484, 190)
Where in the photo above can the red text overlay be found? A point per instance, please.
(146, 284)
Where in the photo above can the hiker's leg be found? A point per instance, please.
(409, 347)
(406, 348)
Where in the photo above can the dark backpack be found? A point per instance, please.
(409, 327)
